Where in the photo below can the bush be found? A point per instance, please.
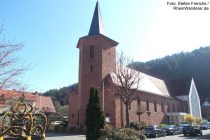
(189, 118)
(198, 120)
(107, 126)
(137, 125)
(121, 134)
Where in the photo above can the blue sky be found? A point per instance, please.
(50, 29)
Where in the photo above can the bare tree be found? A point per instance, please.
(126, 82)
(140, 109)
(10, 68)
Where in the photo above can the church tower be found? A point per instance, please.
(97, 58)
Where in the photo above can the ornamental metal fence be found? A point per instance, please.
(22, 123)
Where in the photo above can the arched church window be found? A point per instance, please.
(168, 108)
(138, 105)
(147, 105)
(138, 101)
(91, 68)
(174, 108)
(155, 106)
(162, 107)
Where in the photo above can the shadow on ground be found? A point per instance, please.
(50, 134)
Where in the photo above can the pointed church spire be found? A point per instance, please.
(97, 26)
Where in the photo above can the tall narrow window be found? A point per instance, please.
(138, 101)
(174, 108)
(138, 104)
(162, 107)
(155, 106)
(168, 107)
(91, 51)
(179, 108)
(147, 105)
(91, 68)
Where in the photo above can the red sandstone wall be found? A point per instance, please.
(73, 108)
(102, 63)
(109, 106)
(155, 117)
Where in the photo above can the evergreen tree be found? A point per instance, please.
(95, 119)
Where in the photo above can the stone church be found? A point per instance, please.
(161, 100)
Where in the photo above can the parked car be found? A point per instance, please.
(56, 122)
(192, 130)
(154, 131)
(172, 130)
(208, 125)
(181, 127)
(204, 127)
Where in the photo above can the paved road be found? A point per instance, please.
(206, 136)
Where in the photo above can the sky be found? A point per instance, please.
(50, 29)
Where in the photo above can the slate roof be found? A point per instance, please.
(97, 26)
(147, 83)
(153, 85)
(179, 87)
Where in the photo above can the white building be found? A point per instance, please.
(185, 90)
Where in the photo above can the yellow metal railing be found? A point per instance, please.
(21, 121)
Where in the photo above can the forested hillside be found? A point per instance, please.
(60, 97)
(194, 64)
